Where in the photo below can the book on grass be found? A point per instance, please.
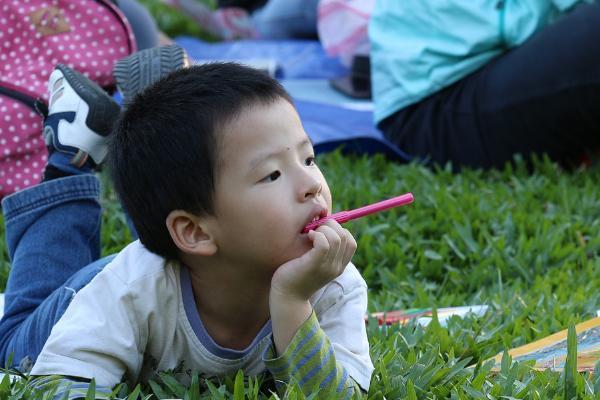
(424, 315)
(551, 351)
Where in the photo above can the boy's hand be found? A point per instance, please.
(333, 248)
(295, 281)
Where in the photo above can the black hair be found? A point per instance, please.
(162, 153)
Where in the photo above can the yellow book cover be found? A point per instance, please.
(551, 351)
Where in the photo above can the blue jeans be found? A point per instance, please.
(53, 240)
(287, 19)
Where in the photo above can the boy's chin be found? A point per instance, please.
(297, 251)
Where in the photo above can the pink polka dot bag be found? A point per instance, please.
(35, 35)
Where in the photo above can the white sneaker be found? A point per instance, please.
(80, 116)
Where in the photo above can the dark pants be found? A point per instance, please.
(143, 25)
(542, 97)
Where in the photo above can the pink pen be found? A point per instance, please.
(345, 216)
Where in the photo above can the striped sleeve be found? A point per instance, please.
(309, 360)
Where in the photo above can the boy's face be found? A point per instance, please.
(268, 188)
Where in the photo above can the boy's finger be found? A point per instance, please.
(333, 224)
(345, 235)
(350, 247)
(334, 240)
(319, 242)
(323, 254)
(331, 233)
(347, 251)
(321, 248)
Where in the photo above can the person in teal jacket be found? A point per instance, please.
(474, 82)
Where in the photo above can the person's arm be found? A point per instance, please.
(306, 355)
(310, 361)
(142, 23)
(98, 337)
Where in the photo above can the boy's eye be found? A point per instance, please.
(309, 161)
(272, 176)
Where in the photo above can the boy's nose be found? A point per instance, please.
(313, 188)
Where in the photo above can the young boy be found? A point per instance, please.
(219, 178)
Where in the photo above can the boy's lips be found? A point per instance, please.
(317, 212)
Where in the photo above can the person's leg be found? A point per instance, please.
(52, 231)
(286, 19)
(143, 25)
(442, 128)
(142, 68)
(542, 97)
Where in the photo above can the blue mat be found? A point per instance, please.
(334, 120)
(330, 127)
(296, 59)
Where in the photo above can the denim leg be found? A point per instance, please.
(52, 232)
(287, 19)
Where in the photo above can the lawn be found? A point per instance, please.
(524, 242)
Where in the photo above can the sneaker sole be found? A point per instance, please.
(103, 110)
(139, 70)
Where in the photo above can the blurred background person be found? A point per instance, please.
(476, 82)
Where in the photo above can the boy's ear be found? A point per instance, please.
(190, 234)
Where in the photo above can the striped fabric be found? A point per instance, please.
(310, 362)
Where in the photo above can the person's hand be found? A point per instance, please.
(333, 248)
(295, 281)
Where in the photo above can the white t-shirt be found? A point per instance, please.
(138, 317)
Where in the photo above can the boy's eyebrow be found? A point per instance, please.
(266, 156)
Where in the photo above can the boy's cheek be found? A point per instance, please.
(327, 196)
(325, 190)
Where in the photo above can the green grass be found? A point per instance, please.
(526, 243)
(174, 23)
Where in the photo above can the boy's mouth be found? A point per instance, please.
(317, 213)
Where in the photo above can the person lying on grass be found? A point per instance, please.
(219, 178)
